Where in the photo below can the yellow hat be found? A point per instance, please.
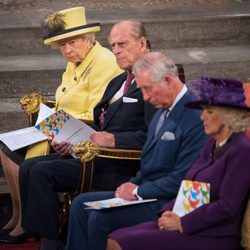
(67, 23)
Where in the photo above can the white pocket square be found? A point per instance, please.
(168, 136)
(129, 99)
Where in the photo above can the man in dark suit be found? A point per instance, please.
(175, 137)
(125, 126)
(121, 119)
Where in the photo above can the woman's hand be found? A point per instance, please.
(62, 148)
(169, 221)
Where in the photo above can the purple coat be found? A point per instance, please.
(216, 225)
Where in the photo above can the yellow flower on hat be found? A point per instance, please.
(67, 23)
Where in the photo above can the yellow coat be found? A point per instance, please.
(82, 88)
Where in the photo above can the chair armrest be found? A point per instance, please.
(119, 153)
(31, 103)
(87, 151)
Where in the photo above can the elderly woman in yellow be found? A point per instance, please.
(90, 66)
(89, 70)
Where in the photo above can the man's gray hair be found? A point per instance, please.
(238, 120)
(157, 65)
(138, 30)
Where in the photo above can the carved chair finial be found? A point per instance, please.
(31, 103)
(86, 151)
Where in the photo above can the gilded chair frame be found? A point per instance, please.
(88, 151)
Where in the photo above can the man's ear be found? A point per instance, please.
(143, 41)
(167, 80)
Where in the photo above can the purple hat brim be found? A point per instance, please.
(199, 103)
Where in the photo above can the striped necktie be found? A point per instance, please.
(128, 82)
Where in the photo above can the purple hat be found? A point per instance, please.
(218, 92)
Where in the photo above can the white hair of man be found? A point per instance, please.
(138, 30)
(157, 65)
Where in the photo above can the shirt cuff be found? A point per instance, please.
(135, 193)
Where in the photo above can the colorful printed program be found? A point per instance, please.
(191, 195)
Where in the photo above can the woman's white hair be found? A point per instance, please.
(90, 37)
(238, 120)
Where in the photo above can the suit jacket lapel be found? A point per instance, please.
(114, 88)
(115, 105)
(151, 130)
(169, 124)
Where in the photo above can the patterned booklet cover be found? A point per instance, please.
(191, 195)
(53, 124)
(61, 126)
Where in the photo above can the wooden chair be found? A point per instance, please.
(88, 151)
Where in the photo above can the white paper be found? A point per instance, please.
(114, 202)
(22, 138)
(44, 112)
(73, 131)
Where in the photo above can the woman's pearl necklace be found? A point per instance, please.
(220, 144)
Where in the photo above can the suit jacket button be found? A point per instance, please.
(63, 89)
(75, 78)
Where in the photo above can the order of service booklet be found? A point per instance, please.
(191, 195)
(114, 202)
(52, 125)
